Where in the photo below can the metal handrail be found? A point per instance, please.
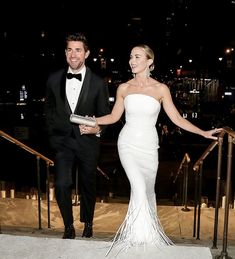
(39, 156)
(207, 151)
(183, 168)
(198, 165)
(49, 163)
(25, 147)
(227, 130)
(186, 159)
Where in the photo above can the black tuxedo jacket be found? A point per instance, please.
(93, 100)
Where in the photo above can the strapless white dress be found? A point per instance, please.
(138, 151)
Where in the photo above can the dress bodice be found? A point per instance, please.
(141, 110)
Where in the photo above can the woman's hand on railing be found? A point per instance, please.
(210, 133)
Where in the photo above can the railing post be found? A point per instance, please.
(185, 200)
(48, 197)
(196, 201)
(199, 201)
(39, 193)
(218, 184)
(224, 253)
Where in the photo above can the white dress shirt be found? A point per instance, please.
(73, 89)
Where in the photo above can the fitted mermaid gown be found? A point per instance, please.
(138, 152)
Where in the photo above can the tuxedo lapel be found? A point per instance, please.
(63, 92)
(63, 86)
(82, 100)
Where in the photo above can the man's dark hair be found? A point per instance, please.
(78, 36)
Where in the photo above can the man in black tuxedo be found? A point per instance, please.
(75, 89)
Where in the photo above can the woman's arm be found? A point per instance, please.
(177, 119)
(117, 110)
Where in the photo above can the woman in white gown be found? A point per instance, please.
(142, 98)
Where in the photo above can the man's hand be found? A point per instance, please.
(84, 129)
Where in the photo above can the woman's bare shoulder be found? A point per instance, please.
(159, 90)
(124, 86)
(162, 86)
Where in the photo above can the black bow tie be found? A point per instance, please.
(77, 76)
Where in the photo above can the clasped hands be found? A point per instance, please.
(85, 129)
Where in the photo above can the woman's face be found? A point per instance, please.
(138, 61)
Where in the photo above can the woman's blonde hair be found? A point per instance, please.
(149, 54)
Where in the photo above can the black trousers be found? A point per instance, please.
(64, 164)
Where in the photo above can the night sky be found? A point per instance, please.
(194, 22)
(175, 29)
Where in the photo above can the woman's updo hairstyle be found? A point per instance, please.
(149, 54)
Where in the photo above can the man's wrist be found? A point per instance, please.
(98, 132)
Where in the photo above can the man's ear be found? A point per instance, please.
(87, 54)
